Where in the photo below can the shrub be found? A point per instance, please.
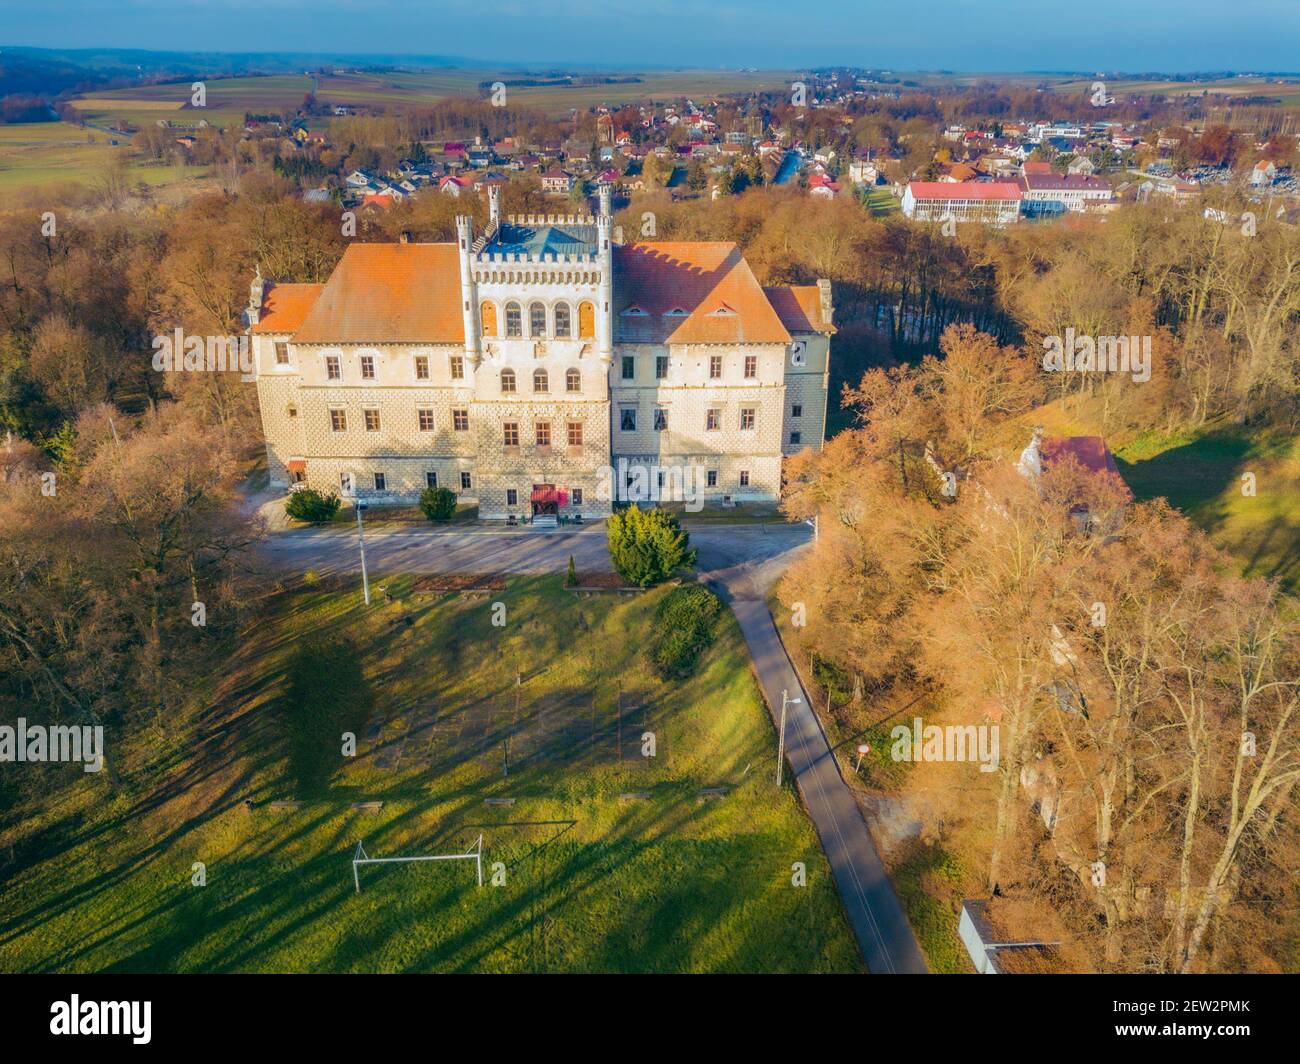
(310, 505)
(647, 546)
(438, 504)
(571, 577)
(683, 629)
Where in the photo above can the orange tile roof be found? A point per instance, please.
(284, 306)
(389, 293)
(711, 282)
(799, 307)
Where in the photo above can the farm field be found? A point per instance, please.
(550, 710)
(34, 155)
(228, 99)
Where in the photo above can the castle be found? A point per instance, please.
(518, 367)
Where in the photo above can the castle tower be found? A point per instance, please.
(469, 299)
(605, 302)
(494, 206)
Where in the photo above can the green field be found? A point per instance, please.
(1201, 474)
(34, 155)
(228, 99)
(673, 882)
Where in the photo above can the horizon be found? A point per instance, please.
(1182, 37)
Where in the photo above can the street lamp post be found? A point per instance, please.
(361, 541)
(786, 700)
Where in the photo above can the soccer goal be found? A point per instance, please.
(474, 853)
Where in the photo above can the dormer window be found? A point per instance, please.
(635, 312)
(722, 311)
(676, 312)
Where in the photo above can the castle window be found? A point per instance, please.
(421, 367)
(332, 370)
(430, 479)
(796, 410)
(746, 418)
(713, 419)
(715, 367)
(572, 381)
(543, 431)
(338, 421)
(426, 420)
(465, 482)
(661, 419)
(712, 478)
(281, 354)
(507, 380)
(751, 366)
(381, 482)
(292, 411)
(488, 317)
(372, 420)
(512, 497)
(537, 320)
(629, 367)
(563, 321)
(586, 321)
(627, 419)
(661, 367)
(367, 367)
(514, 320)
(540, 381)
(796, 436)
(511, 433)
(575, 496)
(458, 367)
(744, 478)
(460, 420)
(575, 433)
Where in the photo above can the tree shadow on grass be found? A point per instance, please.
(327, 695)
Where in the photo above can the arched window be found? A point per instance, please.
(514, 321)
(537, 319)
(563, 321)
(507, 380)
(488, 316)
(540, 381)
(573, 381)
(586, 320)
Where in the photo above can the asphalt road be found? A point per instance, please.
(742, 563)
(505, 550)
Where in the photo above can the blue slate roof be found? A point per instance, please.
(513, 239)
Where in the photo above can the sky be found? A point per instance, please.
(960, 35)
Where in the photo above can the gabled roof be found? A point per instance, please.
(799, 307)
(389, 293)
(284, 306)
(700, 278)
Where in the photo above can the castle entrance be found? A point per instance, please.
(547, 499)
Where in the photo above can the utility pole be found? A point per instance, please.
(786, 700)
(361, 541)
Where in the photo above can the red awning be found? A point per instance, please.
(547, 493)
(297, 465)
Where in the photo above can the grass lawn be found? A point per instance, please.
(443, 705)
(1200, 473)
